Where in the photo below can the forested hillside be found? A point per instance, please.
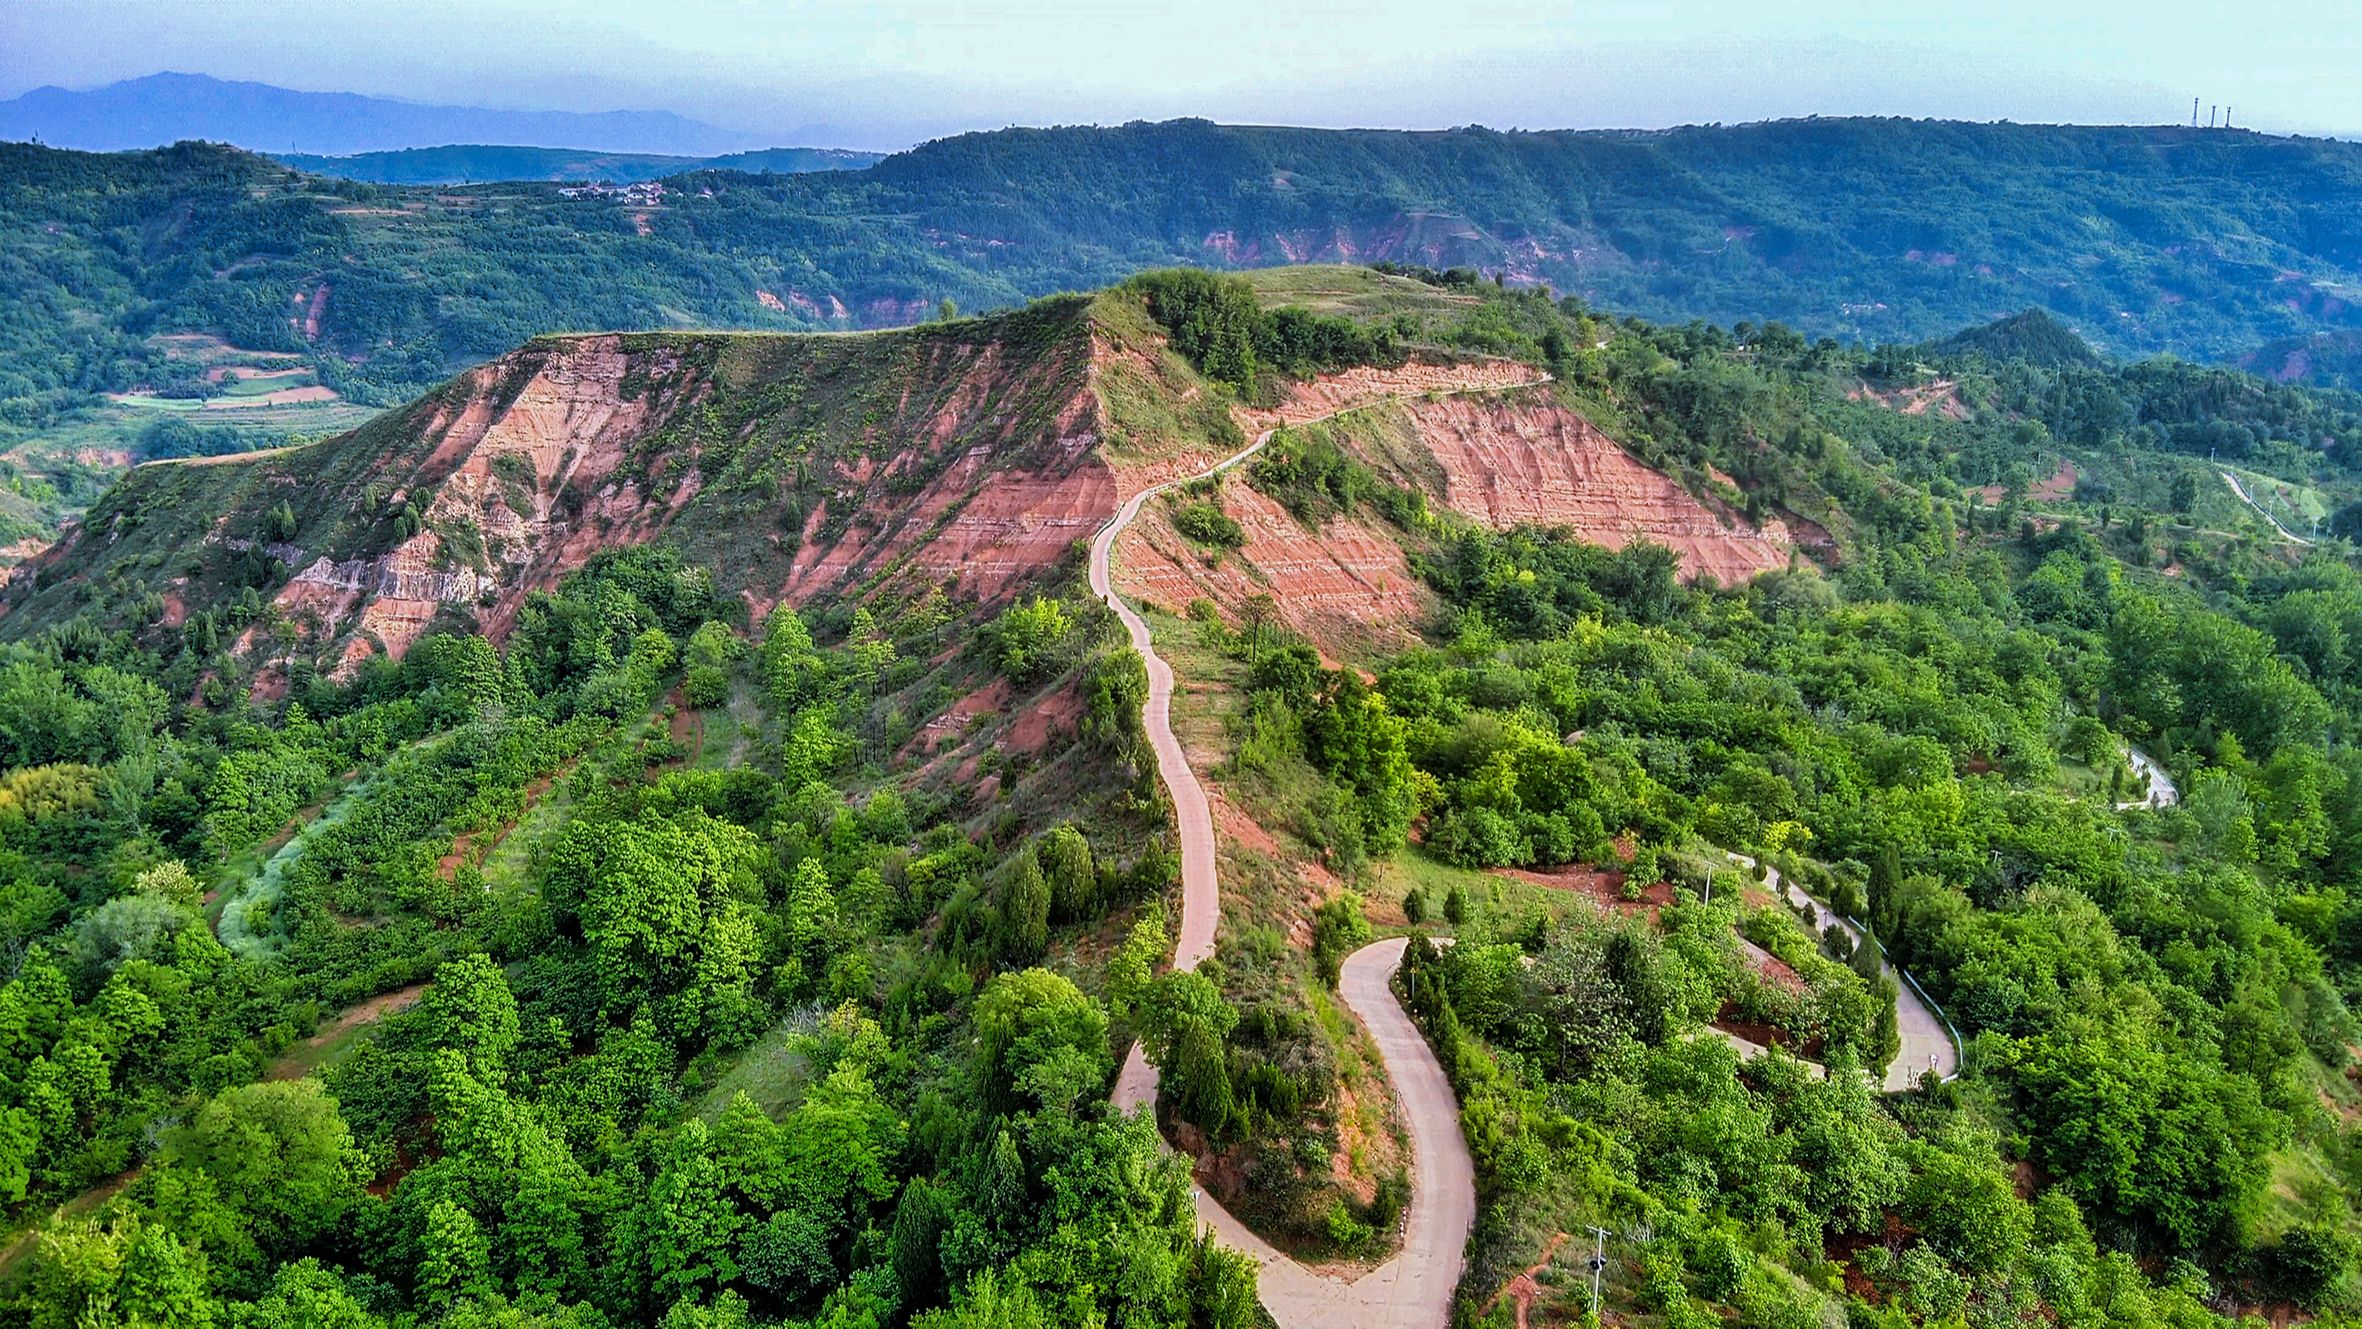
(2206, 244)
(473, 163)
(1925, 724)
(725, 916)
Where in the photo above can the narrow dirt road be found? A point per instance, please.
(1414, 1289)
(1927, 1039)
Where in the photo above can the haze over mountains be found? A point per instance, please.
(166, 108)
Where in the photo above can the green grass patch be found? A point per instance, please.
(1356, 292)
(770, 1072)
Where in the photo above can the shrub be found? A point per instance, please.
(1209, 525)
(1028, 638)
(1339, 928)
(706, 685)
(1346, 1230)
(2309, 1265)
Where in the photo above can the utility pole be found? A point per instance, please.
(1598, 1266)
(2193, 113)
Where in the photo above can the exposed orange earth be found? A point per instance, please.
(1505, 458)
(978, 464)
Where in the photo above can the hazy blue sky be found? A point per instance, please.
(901, 69)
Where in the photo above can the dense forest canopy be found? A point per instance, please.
(1931, 735)
(618, 973)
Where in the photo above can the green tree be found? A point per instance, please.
(455, 1262)
(2184, 497)
(1021, 909)
(794, 671)
(1340, 927)
(1039, 1042)
(304, 1295)
(787, 1256)
(1114, 690)
(705, 686)
(651, 891)
(1029, 638)
(921, 1218)
(1185, 1024)
(813, 751)
(992, 1300)
(811, 916)
(839, 1145)
(684, 1230)
(124, 1273)
(470, 1010)
(1074, 880)
(1134, 963)
(20, 1145)
(280, 1153)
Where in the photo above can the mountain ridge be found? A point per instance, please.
(2205, 244)
(468, 163)
(169, 107)
(966, 458)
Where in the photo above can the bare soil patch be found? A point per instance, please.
(2057, 487)
(1037, 725)
(1606, 887)
(300, 1060)
(1526, 1288)
(463, 849)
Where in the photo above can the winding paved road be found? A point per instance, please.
(1414, 1289)
(1927, 1038)
(2162, 793)
(2244, 497)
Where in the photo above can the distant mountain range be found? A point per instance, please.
(470, 163)
(167, 108)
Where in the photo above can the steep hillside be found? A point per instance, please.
(1341, 574)
(956, 454)
(2321, 359)
(965, 458)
